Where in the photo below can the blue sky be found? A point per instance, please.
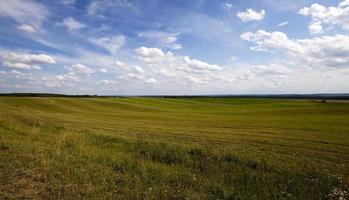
(134, 47)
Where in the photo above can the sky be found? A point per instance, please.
(174, 47)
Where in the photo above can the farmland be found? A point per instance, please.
(173, 148)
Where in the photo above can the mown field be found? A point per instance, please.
(164, 148)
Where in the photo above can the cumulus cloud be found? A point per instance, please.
(184, 63)
(24, 12)
(156, 66)
(107, 82)
(184, 71)
(138, 69)
(275, 73)
(150, 55)
(57, 80)
(79, 69)
(26, 61)
(141, 77)
(109, 85)
(344, 3)
(251, 15)
(110, 43)
(322, 15)
(160, 71)
(271, 69)
(68, 80)
(135, 73)
(71, 24)
(325, 51)
(119, 64)
(73, 75)
(164, 39)
(20, 65)
(26, 28)
(266, 41)
(197, 65)
(315, 27)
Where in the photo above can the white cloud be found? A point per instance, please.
(266, 41)
(119, 64)
(103, 70)
(185, 72)
(164, 39)
(26, 28)
(109, 85)
(315, 28)
(251, 15)
(184, 63)
(196, 80)
(331, 15)
(272, 69)
(107, 82)
(141, 77)
(197, 65)
(139, 74)
(344, 3)
(151, 80)
(79, 69)
(24, 12)
(283, 23)
(87, 56)
(150, 55)
(20, 65)
(92, 8)
(111, 43)
(325, 51)
(135, 73)
(21, 75)
(167, 73)
(158, 66)
(26, 61)
(139, 69)
(71, 24)
(100, 6)
(70, 77)
(227, 6)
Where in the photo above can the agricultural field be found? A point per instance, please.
(173, 148)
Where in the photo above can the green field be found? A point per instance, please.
(173, 148)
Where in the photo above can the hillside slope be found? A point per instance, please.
(162, 148)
